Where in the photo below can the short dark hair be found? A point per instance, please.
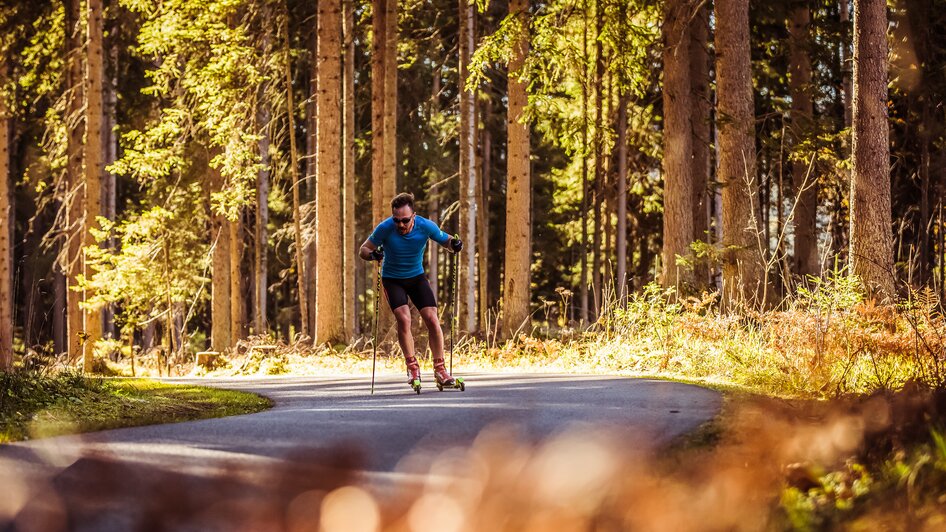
(402, 199)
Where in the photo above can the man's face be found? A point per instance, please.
(403, 219)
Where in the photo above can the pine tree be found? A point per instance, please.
(329, 314)
(871, 225)
(742, 267)
(468, 185)
(516, 286)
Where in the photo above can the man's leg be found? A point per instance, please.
(402, 315)
(435, 334)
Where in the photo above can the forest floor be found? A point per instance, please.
(36, 405)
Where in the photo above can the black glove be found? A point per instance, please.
(456, 245)
(377, 254)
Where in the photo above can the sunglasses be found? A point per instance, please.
(404, 221)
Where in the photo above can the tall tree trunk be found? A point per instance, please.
(742, 267)
(382, 181)
(220, 335)
(804, 182)
(329, 313)
(467, 269)
(110, 143)
(599, 187)
(93, 164)
(482, 237)
(700, 60)
(583, 280)
(390, 99)
(261, 251)
(871, 226)
(236, 279)
(6, 228)
(75, 196)
(621, 196)
(678, 145)
(350, 249)
(294, 175)
(516, 288)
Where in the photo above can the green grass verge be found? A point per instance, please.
(39, 406)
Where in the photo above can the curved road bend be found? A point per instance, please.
(326, 422)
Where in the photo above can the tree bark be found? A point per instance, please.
(261, 248)
(220, 337)
(329, 312)
(482, 237)
(294, 174)
(583, 279)
(621, 197)
(700, 60)
(93, 165)
(599, 187)
(74, 194)
(350, 248)
(110, 149)
(678, 146)
(516, 287)
(382, 179)
(236, 279)
(467, 267)
(742, 266)
(844, 7)
(804, 182)
(6, 229)
(390, 99)
(871, 226)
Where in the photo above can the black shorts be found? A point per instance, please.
(416, 288)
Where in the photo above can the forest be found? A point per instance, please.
(185, 174)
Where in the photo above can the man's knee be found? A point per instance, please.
(430, 317)
(403, 317)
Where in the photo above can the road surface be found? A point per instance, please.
(322, 432)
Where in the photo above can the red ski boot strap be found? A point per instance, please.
(411, 363)
(438, 364)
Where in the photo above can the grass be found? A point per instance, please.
(37, 405)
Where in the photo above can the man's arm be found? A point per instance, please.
(367, 249)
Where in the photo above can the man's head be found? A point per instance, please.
(402, 210)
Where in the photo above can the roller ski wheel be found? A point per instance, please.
(456, 384)
(415, 385)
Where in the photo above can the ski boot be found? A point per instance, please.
(444, 380)
(413, 374)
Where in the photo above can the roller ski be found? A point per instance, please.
(413, 375)
(445, 381)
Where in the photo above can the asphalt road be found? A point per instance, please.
(325, 428)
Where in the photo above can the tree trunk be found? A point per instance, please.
(110, 143)
(74, 194)
(871, 226)
(598, 140)
(804, 182)
(220, 336)
(583, 279)
(621, 197)
(678, 146)
(236, 279)
(482, 237)
(329, 313)
(467, 269)
(390, 99)
(93, 165)
(350, 248)
(382, 182)
(700, 60)
(742, 266)
(516, 287)
(294, 175)
(261, 248)
(6, 230)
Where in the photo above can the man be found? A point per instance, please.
(400, 242)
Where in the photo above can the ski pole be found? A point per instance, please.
(454, 320)
(377, 312)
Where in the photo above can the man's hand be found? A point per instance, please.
(456, 244)
(377, 254)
